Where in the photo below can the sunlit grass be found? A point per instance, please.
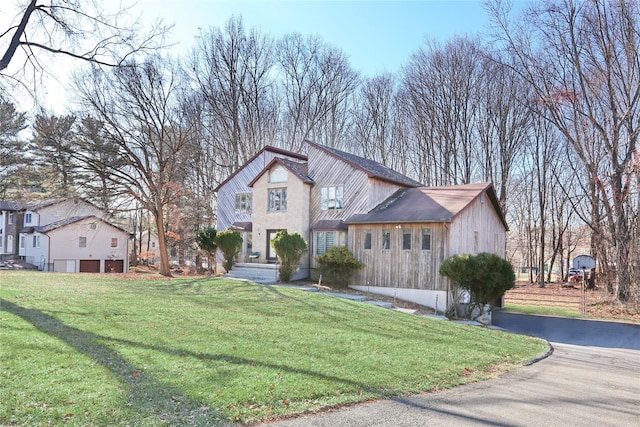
(98, 349)
(545, 310)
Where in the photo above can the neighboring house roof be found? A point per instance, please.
(297, 168)
(372, 168)
(44, 229)
(269, 148)
(329, 224)
(11, 206)
(427, 204)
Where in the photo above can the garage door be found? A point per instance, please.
(89, 266)
(114, 266)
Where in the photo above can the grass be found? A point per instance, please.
(546, 310)
(86, 350)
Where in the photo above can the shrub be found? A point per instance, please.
(206, 240)
(230, 243)
(289, 248)
(337, 265)
(486, 277)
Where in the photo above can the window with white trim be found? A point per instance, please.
(36, 241)
(23, 242)
(10, 220)
(27, 218)
(243, 202)
(331, 197)
(277, 199)
(82, 242)
(114, 242)
(324, 241)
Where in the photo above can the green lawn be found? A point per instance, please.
(79, 349)
(546, 310)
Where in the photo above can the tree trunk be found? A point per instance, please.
(165, 269)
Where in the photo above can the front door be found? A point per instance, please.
(271, 253)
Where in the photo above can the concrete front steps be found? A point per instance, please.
(259, 273)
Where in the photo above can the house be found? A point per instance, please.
(69, 235)
(398, 228)
(11, 218)
(235, 197)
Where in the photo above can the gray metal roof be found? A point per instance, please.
(329, 224)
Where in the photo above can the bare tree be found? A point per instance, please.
(318, 81)
(78, 29)
(582, 59)
(378, 131)
(232, 69)
(443, 82)
(146, 132)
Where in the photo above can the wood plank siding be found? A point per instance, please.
(396, 267)
(361, 193)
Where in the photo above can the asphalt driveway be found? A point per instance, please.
(592, 378)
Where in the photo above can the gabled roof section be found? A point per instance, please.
(428, 204)
(372, 168)
(270, 148)
(44, 229)
(298, 169)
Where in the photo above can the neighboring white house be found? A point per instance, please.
(72, 235)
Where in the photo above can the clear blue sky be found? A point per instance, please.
(376, 35)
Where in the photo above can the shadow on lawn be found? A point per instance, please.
(148, 397)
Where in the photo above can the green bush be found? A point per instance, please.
(337, 265)
(230, 243)
(206, 240)
(289, 248)
(485, 276)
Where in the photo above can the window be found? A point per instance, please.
(277, 199)
(36, 241)
(324, 241)
(27, 218)
(82, 242)
(114, 242)
(342, 238)
(367, 239)
(426, 239)
(243, 202)
(10, 218)
(153, 245)
(406, 240)
(23, 242)
(279, 174)
(386, 239)
(331, 198)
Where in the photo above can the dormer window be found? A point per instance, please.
(27, 218)
(279, 174)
